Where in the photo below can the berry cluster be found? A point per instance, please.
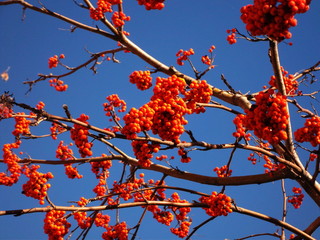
(297, 198)
(22, 126)
(219, 204)
(273, 17)
(56, 129)
(5, 111)
(268, 118)
(125, 189)
(102, 220)
(54, 61)
(138, 120)
(310, 132)
(252, 158)
(13, 167)
(100, 189)
(152, 4)
(119, 231)
(183, 55)
(114, 102)
(58, 85)
(164, 114)
(81, 217)
(180, 213)
(142, 79)
(103, 6)
(231, 38)
(144, 152)
(200, 92)
(63, 152)
(101, 168)
(184, 155)
(240, 127)
(79, 134)
(56, 225)
(40, 105)
(271, 166)
(169, 118)
(313, 156)
(291, 85)
(37, 186)
(183, 229)
(223, 171)
(118, 19)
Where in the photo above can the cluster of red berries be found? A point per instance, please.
(114, 102)
(219, 204)
(273, 17)
(297, 198)
(5, 111)
(313, 156)
(152, 4)
(268, 118)
(103, 6)
(79, 134)
(181, 212)
(241, 130)
(40, 105)
(118, 19)
(102, 220)
(144, 152)
(101, 168)
(54, 61)
(310, 132)
(183, 55)
(223, 171)
(183, 229)
(125, 189)
(271, 166)
(291, 85)
(164, 217)
(142, 79)
(169, 118)
(81, 217)
(55, 129)
(119, 231)
(138, 120)
(64, 153)
(231, 38)
(252, 158)
(100, 189)
(200, 92)
(184, 155)
(59, 85)
(22, 126)
(37, 186)
(13, 166)
(164, 114)
(56, 225)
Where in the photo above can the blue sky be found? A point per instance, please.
(26, 46)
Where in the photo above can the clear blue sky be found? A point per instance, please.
(26, 46)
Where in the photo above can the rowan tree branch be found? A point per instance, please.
(160, 203)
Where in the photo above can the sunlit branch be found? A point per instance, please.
(275, 61)
(314, 68)
(93, 58)
(208, 180)
(160, 203)
(61, 17)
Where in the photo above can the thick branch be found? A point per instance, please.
(61, 17)
(216, 181)
(161, 203)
